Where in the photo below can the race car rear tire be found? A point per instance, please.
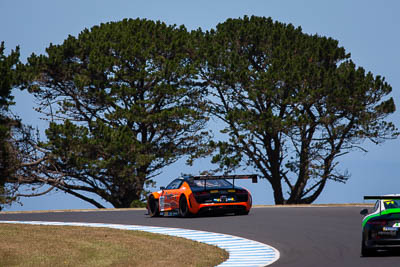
(153, 207)
(365, 251)
(183, 207)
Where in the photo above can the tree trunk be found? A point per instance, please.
(278, 194)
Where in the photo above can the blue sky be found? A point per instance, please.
(368, 29)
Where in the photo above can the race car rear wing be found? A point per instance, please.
(381, 197)
(253, 177)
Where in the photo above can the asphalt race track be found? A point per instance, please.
(312, 236)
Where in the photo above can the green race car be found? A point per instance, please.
(381, 227)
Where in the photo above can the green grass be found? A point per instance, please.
(33, 245)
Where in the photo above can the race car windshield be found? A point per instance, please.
(392, 203)
(209, 183)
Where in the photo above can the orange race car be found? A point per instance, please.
(191, 195)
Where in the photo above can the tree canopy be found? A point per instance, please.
(292, 104)
(124, 101)
(7, 122)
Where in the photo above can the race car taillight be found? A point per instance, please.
(377, 222)
(242, 195)
(201, 194)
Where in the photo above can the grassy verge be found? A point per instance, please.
(33, 245)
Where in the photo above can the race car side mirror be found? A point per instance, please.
(162, 188)
(364, 212)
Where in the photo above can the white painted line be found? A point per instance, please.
(242, 251)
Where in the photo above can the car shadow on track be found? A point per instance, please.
(201, 215)
(384, 253)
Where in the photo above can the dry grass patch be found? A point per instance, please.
(34, 245)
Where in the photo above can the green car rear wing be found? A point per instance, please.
(381, 197)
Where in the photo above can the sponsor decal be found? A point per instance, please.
(224, 199)
(169, 213)
(390, 228)
(387, 233)
(161, 202)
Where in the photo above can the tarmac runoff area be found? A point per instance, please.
(242, 251)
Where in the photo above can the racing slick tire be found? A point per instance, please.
(183, 207)
(153, 207)
(365, 251)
